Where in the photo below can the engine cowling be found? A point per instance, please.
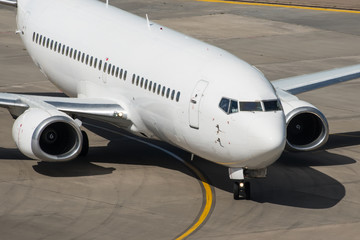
(307, 127)
(48, 135)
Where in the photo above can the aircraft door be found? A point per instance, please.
(194, 107)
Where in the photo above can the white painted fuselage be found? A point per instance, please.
(194, 77)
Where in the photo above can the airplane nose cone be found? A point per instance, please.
(268, 139)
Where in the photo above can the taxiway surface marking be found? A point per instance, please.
(283, 6)
(208, 199)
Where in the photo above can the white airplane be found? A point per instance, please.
(159, 84)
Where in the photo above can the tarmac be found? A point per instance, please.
(127, 189)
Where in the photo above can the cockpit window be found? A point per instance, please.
(224, 104)
(234, 107)
(251, 106)
(229, 106)
(272, 105)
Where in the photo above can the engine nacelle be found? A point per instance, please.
(307, 128)
(48, 135)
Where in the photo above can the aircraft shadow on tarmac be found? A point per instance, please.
(291, 180)
(75, 168)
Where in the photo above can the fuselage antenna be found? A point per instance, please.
(148, 22)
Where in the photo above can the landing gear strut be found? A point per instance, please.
(241, 190)
(85, 146)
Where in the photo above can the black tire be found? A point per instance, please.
(236, 191)
(247, 191)
(85, 145)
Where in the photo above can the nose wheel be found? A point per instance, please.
(241, 190)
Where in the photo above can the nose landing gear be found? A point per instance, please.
(241, 190)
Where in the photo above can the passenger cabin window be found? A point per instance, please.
(121, 74)
(150, 85)
(100, 63)
(105, 65)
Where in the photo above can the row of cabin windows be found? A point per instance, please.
(80, 56)
(105, 67)
(155, 88)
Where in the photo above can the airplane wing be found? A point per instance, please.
(98, 109)
(308, 82)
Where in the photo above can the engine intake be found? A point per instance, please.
(47, 135)
(307, 129)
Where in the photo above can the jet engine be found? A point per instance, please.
(48, 135)
(307, 128)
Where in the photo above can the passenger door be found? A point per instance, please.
(194, 106)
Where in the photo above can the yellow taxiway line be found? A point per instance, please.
(283, 6)
(207, 207)
(208, 201)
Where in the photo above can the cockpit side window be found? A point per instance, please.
(229, 106)
(234, 107)
(251, 106)
(224, 104)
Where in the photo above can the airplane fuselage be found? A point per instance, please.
(173, 87)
